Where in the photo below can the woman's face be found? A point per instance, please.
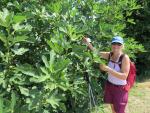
(116, 47)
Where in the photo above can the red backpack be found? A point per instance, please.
(132, 73)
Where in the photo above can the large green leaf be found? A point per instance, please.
(5, 18)
(44, 70)
(19, 18)
(34, 100)
(49, 64)
(51, 86)
(18, 79)
(61, 64)
(55, 46)
(40, 79)
(22, 28)
(79, 50)
(13, 101)
(20, 51)
(3, 39)
(54, 101)
(71, 31)
(24, 91)
(27, 69)
(45, 61)
(20, 39)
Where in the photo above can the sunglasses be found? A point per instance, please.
(116, 43)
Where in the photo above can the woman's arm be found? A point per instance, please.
(124, 69)
(104, 55)
(90, 46)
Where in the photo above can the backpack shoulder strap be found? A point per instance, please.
(120, 58)
(110, 54)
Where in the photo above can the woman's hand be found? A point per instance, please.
(86, 40)
(104, 67)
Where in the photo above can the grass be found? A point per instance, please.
(139, 98)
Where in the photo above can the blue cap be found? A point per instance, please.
(117, 39)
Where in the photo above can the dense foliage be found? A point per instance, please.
(43, 61)
(140, 30)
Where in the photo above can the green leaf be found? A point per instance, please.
(35, 101)
(61, 64)
(55, 46)
(1, 80)
(1, 77)
(13, 101)
(27, 70)
(5, 18)
(54, 101)
(45, 61)
(131, 21)
(63, 29)
(18, 79)
(24, 91)
(72, 33)
(84, 29)
(97, 58)
(40, 79)
(51, 86)
(20, 51)
(19, 18)
(49, 64)
(44, 70)
(22, 28)
(3, 39)
(78, 49)
(20, 39)
(1, 105)
(52, 59)
(62, 107)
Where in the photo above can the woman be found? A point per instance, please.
(114, 93)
